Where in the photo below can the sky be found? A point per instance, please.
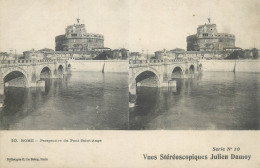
(133, 24)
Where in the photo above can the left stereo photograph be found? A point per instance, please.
(79, 85)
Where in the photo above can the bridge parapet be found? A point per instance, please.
(156, 62)
(23, 62)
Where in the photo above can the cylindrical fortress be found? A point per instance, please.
(208, 39)
(76, 38)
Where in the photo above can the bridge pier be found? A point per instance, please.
(132, 94)
(59, 74)
(38, 83)
(170, 83)
(167, 80)
(187, 76)
(68, 72)
(132, 88)
(35, 79)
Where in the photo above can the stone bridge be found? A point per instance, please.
(29, 72)
(160, 73)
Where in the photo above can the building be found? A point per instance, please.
(51, 54)
(76, 38)
(207, 38)
(124, 53)
(134, 56)
(233, 49)
(4, 56)
(33, 54)
(182, 54)
(10, 55)
(117, 54)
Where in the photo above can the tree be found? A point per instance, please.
(104, 55)
(239, 54)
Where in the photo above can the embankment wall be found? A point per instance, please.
(97, 65)
(230, 65)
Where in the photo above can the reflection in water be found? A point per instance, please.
(85, 100)
(217, 101)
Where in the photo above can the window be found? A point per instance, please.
(205, 34)
(73, 35)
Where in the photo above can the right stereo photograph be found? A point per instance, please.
(210, 85)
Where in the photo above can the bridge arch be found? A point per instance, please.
(14, 69)
(69, 66)
(45, 72)
(60, 69)
(12, 74)
(199, 67)
(177, 72)
(146, 76)
(192, 69)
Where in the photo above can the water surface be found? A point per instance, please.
(81, 101)
(210, 101)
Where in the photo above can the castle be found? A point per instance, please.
(76, 38)
(208, 39)
(76, 43)
(206, 43)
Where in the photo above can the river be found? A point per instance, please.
(210, 101)
(81, 101)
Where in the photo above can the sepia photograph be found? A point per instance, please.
(187, 66)
(58, 69)
(138, 83)
(199, 69)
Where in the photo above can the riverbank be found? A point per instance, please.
(231, 65)
(100, 65)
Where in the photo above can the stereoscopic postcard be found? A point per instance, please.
(129, 83)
